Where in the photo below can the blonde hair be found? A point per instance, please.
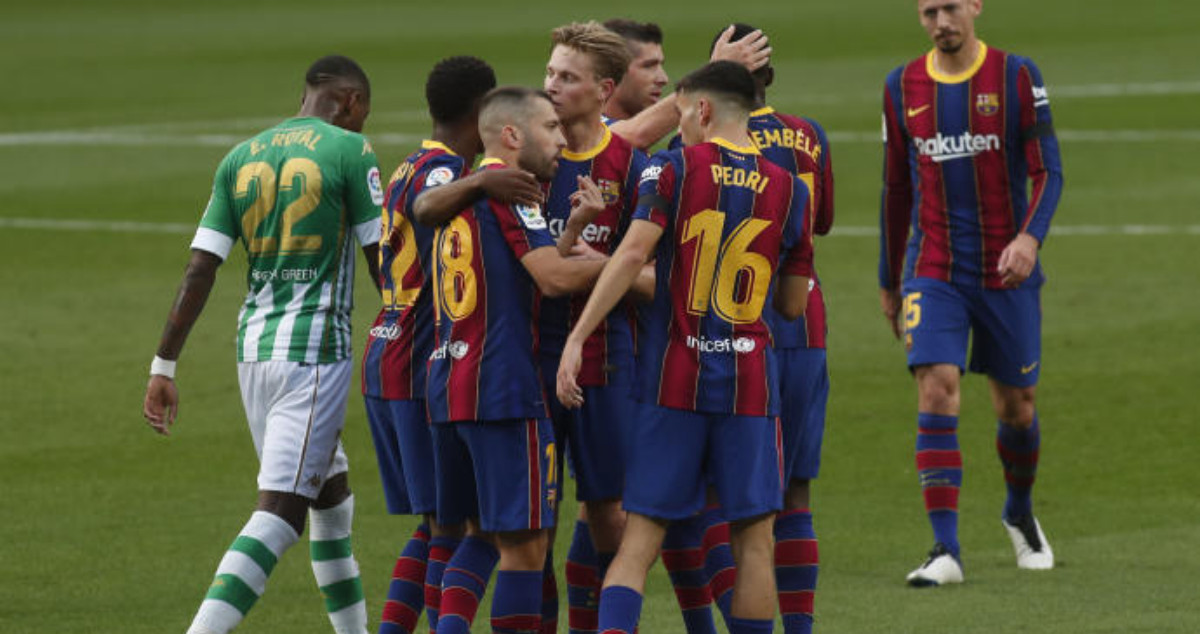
(607, 50)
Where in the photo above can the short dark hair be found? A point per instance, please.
(456, 85)
(640, 32)
(727, 79)
(332, 68)
(741, 30)
(501, 105)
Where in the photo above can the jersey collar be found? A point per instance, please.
(763, 111)
(589, 154)
(491, 161)
(749, 149)
(943, 78)
(429, 144)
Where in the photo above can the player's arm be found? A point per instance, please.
(557, 276)
(796, 265)
(623, 268)
(437, 205)
(895, 208)
(586, 203)
(161, 405)
(791, 296)
(1045, 175)
(823, 209)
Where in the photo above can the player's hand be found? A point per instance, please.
(511, 186)
(569, 392)
(1017, 260)
(162, 404)
(889, 301)
(586, 203)
(583, 251)
(752, 51)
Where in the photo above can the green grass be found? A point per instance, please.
(107, 527)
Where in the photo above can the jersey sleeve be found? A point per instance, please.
(656, 191)
(1041, 151)
(438, 171)
(219, 227)
(797, 243)
(364, 191)
(524, 228)
(897, 200)
(823, 196)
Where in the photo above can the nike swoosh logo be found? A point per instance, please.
(1026, 369)
(912, 112)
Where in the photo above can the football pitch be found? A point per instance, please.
(115, 114)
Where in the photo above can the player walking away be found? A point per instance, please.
(493, 442)
(591, 199)
(659, 117)
(966, 129)
(401, 338)
(706, 366)
(294, 195)
(645, 78)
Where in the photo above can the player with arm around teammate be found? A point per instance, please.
(719, 220)
(493, 442)
(296, 196)
(971, 166)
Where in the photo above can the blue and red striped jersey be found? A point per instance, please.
(614, 165)
(969, 162)
(401, 338)
(730, 218)
(799, 145)
(484, 361)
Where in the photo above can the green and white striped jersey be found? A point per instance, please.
(294, 195)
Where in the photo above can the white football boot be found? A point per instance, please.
(1029, 543)
(941, 568)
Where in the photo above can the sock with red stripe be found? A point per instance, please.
(620, 609)
(1018, 449)
(683, 557)
(796, 569)
(939, 465)
(750, 626)
(406, 592)
(549, 596)
(718, 562)
(583, 582)
(441, 549)
(464, 583)
(517, 602)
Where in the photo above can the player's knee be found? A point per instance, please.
(1018, 408)
(289, 506)
(522, 550)
(938, 389)
(335, 491)
(796, 496)
(752, 539)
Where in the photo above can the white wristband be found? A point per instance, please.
(162, 367)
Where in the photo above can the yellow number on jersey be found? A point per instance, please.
(257, 180)
(456, 291)
(397, 296)
(738, 289)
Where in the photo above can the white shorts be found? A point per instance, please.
(296, 413)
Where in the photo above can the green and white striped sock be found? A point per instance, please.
(242, 574)
(335, 568)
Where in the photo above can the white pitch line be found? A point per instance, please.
(133, 226)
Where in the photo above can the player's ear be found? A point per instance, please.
(510, 136)
(607, 87)
(704, 111)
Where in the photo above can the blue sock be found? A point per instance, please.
(683, 557)
(620, 609)
(406, 592)
(796, 569)
(750, 626)
(583, 582)
(517, 602)
(441, 549)
(718, 561)
(1018, 449)
(939, 465)
(464, 583)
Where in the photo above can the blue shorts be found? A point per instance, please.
(804, 388)
(1006, 325)
(675, 454)
(594, 435)
(502, 472)
(404, 449)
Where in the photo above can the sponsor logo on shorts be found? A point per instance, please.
(1026, 369)
(947, 148)
(453, 349)
(439, 176)
(740, 345)
(530, 216)
(374, 186)
(390, 332)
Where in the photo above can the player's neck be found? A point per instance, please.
(614, 110)
(731, 131)
(461, 140)
(584, 133)
(959, 61)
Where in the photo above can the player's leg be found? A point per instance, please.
(583, 580)
(804, 394)
(331, 517)
(664, 481)
(1008, 348)
(443, 543)
(719, 566)
(683, 557)
(468, 570)
(746, 462)
(937, 326)
(582, 590)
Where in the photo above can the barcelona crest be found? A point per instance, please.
(609, 190)
(987, 103)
